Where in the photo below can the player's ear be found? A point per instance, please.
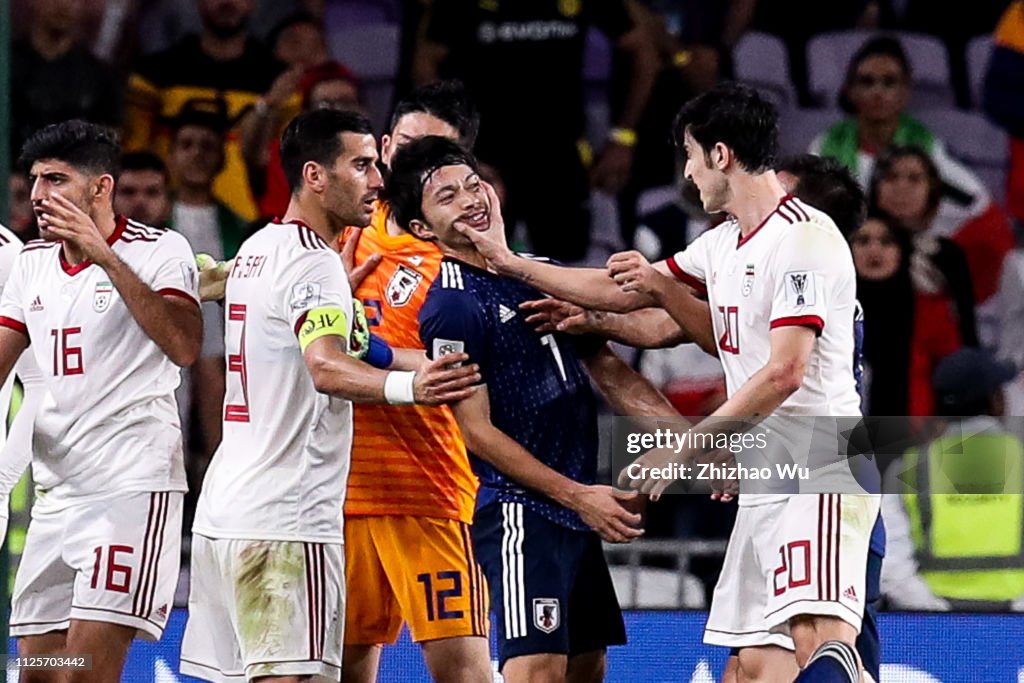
(385, 150)
(421, 230)
(313, 176)
(104, 186)
(720, 156)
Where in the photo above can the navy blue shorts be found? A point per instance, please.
(551, 591)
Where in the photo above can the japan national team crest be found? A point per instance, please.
(546, 615)
(402, 285)
(748, 280)
(102, 296)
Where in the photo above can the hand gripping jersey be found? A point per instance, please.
(280, 471)
(793, 269)
(406, 460)
(109, 421)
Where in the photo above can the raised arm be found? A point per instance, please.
(168, 315)
(646, 328)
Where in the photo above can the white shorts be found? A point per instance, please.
(264, 608)
(806, 555)
(114, 560)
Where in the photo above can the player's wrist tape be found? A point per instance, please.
(398, 388)
(321, 322)
(623, 136)
(379, 354)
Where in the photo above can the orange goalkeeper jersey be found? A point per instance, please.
(406, 460)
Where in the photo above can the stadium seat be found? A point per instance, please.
(371, 51)
(760, 60)
(829, 55)
(977, 142)
(798, 127)
(979, 50)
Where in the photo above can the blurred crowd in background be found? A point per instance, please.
(922, 101)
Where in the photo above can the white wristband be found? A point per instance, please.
(398, 388)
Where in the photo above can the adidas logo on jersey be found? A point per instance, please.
(505, 313)
(850, 594)
(36, 305)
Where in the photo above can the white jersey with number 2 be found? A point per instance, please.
(793, 269)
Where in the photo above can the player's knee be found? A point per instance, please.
(535, 669)
(810, 632)
(765, 665)
(459, 660)
(588, 667)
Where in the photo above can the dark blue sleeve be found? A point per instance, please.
(452, 316)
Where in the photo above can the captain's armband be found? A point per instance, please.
(321, 322)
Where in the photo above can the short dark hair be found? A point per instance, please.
(412, 166)
(144, 161)
(88, 147)
(316, 136)
(888, 158)
(826, 184)
(445, 100)
(737, 116)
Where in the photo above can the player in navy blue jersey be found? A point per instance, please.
(531, 431)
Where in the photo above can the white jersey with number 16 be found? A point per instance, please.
(109, 422)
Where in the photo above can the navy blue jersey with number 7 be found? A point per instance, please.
(540, 394)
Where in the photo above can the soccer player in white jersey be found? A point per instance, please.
(780, 283)
(268, 578)
(112, 312)
(17, 441)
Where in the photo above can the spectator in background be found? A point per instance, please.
(1004, 98)
(196, 157)
(694, 40)
(954, 513)
(22, 218)
(54, 77)
(907, 330)
(906, 188)
(325, 86)
(299, 41)
(876, 94)
(523, 64)
(143, 189)
(223, 61)
(797, 21)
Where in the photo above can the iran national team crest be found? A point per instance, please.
(102, 296)
(402, 285)
(748, 280)
(546, 615)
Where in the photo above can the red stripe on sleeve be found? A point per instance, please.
(170, 291)
(685, 277)
(812, 321)
(12, 324)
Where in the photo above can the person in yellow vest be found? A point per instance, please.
(954, 512)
